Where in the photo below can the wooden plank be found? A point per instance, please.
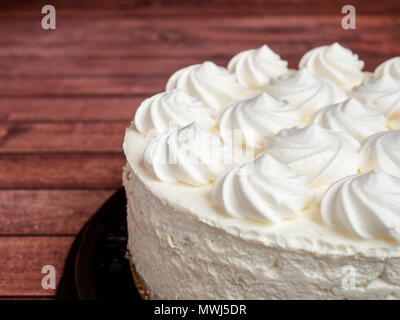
(81, 86)
(22, 261)
(376, 36)
(48, 212)
(98, 66)
(62, 137)
(61, 171)
(197, 7)
(69, 108)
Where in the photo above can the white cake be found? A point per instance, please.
(260, 182)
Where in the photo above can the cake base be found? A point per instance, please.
(139, 282)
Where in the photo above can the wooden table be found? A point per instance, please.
(66, 96)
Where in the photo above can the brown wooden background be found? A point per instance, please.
(67, 95)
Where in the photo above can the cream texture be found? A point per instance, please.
(166, 110)
(322, 155)
(382, 94)
(366, 204)
(188, 154)
(382, 150)
(335, 63)
(306, 91)
(353, 118)
(209, 82)
(263, 189)
(255, 118)
(254, 68)
(390, 67)
(394, 124)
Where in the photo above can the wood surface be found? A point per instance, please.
(66, 96)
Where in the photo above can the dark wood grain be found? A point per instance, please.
(202, 7)
(47, 212)
(62, 137)
(69, 108)
(22, 259)
(375, 37)
(61, 171)
(67, 95)
(98, 66)
(80, 86)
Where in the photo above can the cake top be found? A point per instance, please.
(268, 139)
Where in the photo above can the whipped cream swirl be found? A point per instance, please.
(382, 150)
(306, 91)
(382, 94)
(322, 155)
(368, 205)
(254, 68)
(263, 189)
(335, 63)
(215, 85)
(255, 118)
(189, 154)
(351, 117)
(166, 110)
(394, 124)
(390, 67)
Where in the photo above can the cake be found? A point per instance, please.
(257, 181)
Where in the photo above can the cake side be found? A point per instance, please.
(180, 257)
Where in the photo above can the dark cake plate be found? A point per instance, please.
(96, 267)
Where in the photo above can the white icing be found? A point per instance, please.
(382, 94)
(189, 154)
(390, 67)
(254, 68)
(335, 63)
(367, 204)
(306, 91)
(322, 155)
(263, 189)
(170, 109)
(351, 117)
(394, 124)
(382, 150)
(252, 119)
(215, 85)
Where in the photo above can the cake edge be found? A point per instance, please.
(137, 278)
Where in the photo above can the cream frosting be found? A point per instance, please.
(170, 109)
(255, 118)
(190, 154)
(335, 63)
(382, 150)
(390, 67)
(215, 85)
(367, 204)
(394, 124)
(351, 117)
(263, 189)
(254, 68)
(322, 155)
(171, 222)
(306, 91)
(382, 94)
